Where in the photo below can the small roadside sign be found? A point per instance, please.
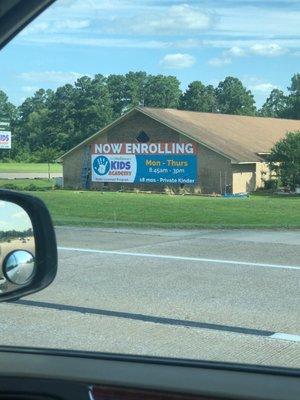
(5, 140)
(4, 124)
(5, 134)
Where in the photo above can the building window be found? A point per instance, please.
(142, 137)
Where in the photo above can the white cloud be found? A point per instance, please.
(223, 24)
(265, 87)
(177, 19)
(219, 62)
(29, 89)
(101, 42)
(57, 77)
(188, 43)
(226, 43)
(72, 24)
(247, 49)
(35, 28)
(233, 27)
(257, 20)
(236, 51)
(192, 18)
(177, 61)
(56, 26)
(252, 48)
(267, 49)
(138, 43)
(20, 214)
(80, 6)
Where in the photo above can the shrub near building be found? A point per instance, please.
(284, 160)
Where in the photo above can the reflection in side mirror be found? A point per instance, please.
(28, 253)
(18, 267)
(17, 247)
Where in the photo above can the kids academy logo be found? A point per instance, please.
(112, 166)
(101, 165)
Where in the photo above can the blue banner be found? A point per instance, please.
(166, 169)
(141, 168)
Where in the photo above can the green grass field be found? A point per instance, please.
(162, 211)
(27, 184)
(29, 167)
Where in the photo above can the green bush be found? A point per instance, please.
(284, 159)
(10, 186)
(271, 184)
(31, 188)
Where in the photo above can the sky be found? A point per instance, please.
(257, 41)
(14, 217)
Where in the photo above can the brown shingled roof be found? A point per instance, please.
(240, 138)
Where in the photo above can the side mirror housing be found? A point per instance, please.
(28, 251)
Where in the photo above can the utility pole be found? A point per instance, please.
(49, 160)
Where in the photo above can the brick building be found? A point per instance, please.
(150, 149)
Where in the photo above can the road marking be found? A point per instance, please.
(161, 320)
(169, 257)
(147, 318)
(286, 336)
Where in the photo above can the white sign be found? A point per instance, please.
(144, 148)
(113, 168)
(5, 140)
(144, 162)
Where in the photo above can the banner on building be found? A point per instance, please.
(156, 163)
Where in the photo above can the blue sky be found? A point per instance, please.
(13, 216)
(257, 41)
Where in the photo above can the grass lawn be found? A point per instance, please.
(162, 211)
(27, 184)
(29, 167)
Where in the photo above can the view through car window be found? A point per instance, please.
(164, 137)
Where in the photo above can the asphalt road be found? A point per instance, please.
(215, 295)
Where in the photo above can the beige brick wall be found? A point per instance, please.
(249, 177)
(262, 174)
(214, 170)
(72, 166)
(243, 177)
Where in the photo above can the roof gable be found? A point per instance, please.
(239, 138)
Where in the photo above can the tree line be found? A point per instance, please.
(13, 234)
(52, 121)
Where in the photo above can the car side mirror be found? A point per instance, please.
(28, 251)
